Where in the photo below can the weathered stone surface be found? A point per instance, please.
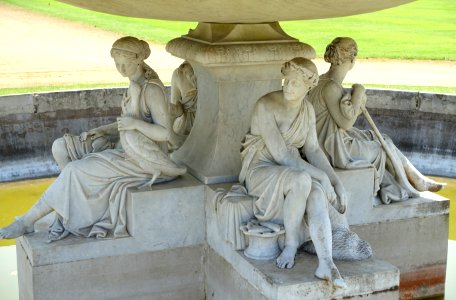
(27, 137)
(417, 246)
(237, 11)
(419, 124)
(167, 216)
(169, 274)
(364, 207)
(370, 279)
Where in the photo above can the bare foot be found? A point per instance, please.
(329, 271)
(286, 258)
(14, 230)
(423, 183)
(435, 186)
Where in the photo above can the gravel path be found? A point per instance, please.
(38, 50)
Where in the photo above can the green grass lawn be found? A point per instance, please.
(40, 89)
(52, 88)
(424, 29)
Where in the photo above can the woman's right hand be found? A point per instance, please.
(92, 134)
(328, 189)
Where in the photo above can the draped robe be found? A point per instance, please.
(89, 196)
(344, 148)
(264, 177)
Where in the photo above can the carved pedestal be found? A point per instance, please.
(235, 65)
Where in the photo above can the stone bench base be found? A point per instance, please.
(176, 252)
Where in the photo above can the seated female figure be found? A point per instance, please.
(348, 147)
(290, 190)
(89, 195)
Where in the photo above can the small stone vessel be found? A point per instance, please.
(262, 239)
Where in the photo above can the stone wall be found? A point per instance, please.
(422, 125)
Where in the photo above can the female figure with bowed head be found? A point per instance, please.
(89, 195)
(291, 190)
(350, 148)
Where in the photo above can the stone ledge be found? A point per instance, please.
(168, 274)
(364, 207)
(363, 278)
(175, 218)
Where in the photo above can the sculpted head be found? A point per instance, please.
(187, 71)
(300, 76)
(341, 50)
(129, 54)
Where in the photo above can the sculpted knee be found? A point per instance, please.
(59, 147)
(317, 203)
(302, 180)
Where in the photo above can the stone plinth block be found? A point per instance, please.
(170, 214)
(231, 275)
(364, 207)
(371, 279)
(161, 260)
(412, 235)
(417, 246)
(168, 274)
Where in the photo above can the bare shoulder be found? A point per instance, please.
(269, 102)
(263, 112)
(154, 94)
(154, 89)
(332, 90)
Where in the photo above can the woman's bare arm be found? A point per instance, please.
(333, 95)
(161, 129)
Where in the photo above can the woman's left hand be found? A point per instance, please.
(341, 197)
(127, 123)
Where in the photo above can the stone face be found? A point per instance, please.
(236, 11)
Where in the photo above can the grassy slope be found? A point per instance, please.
(39, 89)
(424, 29)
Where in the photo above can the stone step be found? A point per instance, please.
(364, 207)
(369, 279)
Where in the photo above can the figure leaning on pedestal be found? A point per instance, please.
(89, 196)
(347, 147)
(183, 101)
(288, 189)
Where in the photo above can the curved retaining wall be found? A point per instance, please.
(422, 125)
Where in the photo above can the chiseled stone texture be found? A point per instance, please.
(417, 246)
(420, 124)
(169, 274)
(170, 215)
(162, 259)
(231, 78)
(364, 207)
(235, 11)
(369, 279)
(29, 124)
